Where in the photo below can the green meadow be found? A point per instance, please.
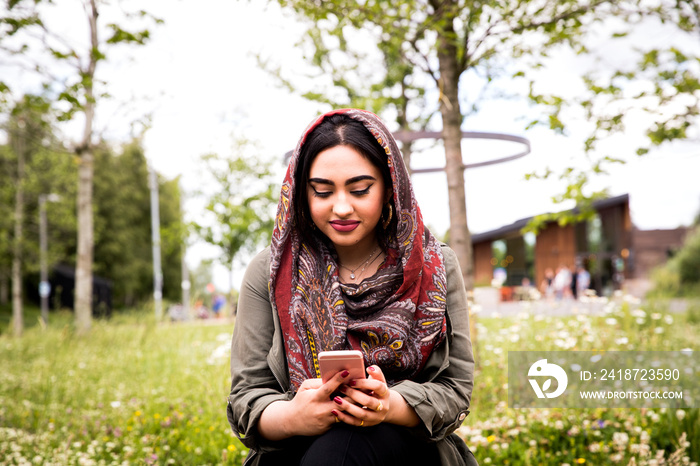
(135, 391)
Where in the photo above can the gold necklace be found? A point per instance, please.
(365, 263)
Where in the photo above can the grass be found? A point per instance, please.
(131, 392)
(137, 392)
(500, 435)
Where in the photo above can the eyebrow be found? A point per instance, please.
(348, 182)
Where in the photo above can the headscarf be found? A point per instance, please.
(396, 317)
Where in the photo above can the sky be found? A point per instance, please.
(199, 83)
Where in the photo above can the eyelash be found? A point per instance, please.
(325, 194)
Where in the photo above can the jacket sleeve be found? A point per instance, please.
(442, 394)
(253, 354)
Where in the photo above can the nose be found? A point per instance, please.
(342, 207)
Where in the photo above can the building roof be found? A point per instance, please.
(515, 227)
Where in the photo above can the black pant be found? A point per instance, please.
(344, 445)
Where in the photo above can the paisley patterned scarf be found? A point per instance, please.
(395, 317)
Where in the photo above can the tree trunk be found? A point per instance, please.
(83, 267)
(17, 312)
(460, 238)
(4, 287)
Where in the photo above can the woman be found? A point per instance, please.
(351, 266)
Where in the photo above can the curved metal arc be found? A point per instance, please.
(409, 136)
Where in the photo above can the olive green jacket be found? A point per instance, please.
(440, 394)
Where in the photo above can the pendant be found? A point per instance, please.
(352, 276)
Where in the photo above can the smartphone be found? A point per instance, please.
(332, 362)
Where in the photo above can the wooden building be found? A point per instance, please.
(608, 246)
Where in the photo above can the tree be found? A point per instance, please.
(122, 222)
(123, 225)
(655, 88)
(444, 41)
(76, 94)
(239, 212)
(173, 234)
(28, 130)
(7, 172)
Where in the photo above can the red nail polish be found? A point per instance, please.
(334, 412)
(370, 368)
(344, 374)
(343, 389)
(338, 400)
(353, 383)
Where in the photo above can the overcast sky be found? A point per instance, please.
(199, 81)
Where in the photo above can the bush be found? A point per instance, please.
(688, 260)
(681, 274)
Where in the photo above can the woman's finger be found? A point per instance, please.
(330, 387)
(375, 373)
(355, 416)
(309, 384)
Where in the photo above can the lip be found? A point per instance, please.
(344, 225)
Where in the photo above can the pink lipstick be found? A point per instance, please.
(344, 225)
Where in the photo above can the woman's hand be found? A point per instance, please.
(369, 402)
(310, 412)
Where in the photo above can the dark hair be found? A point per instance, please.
(338, 130)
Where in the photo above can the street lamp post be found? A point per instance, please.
(44, 285)
(155, 237)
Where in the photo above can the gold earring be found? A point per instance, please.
(387, 221)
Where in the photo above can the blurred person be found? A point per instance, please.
(562, 283)
(218, 304)
(547, 285)
(351, 266)
(583, 280)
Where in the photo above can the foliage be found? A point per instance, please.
(68, 75)
(123, 226)
(345, 38)
(656, 86)
(680, 276)
(411, 59)
(68, 400)
(501, 435)
(34, 165)
(688, 259)
(392, 57)
(238, 215)
(173, 233)
(122, 219)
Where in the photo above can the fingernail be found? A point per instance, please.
(344, 374)
(334, 412)
(343, 389)
(370, 368)
(338, 400)
(353, 383)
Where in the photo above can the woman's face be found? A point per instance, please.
(346, 194)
